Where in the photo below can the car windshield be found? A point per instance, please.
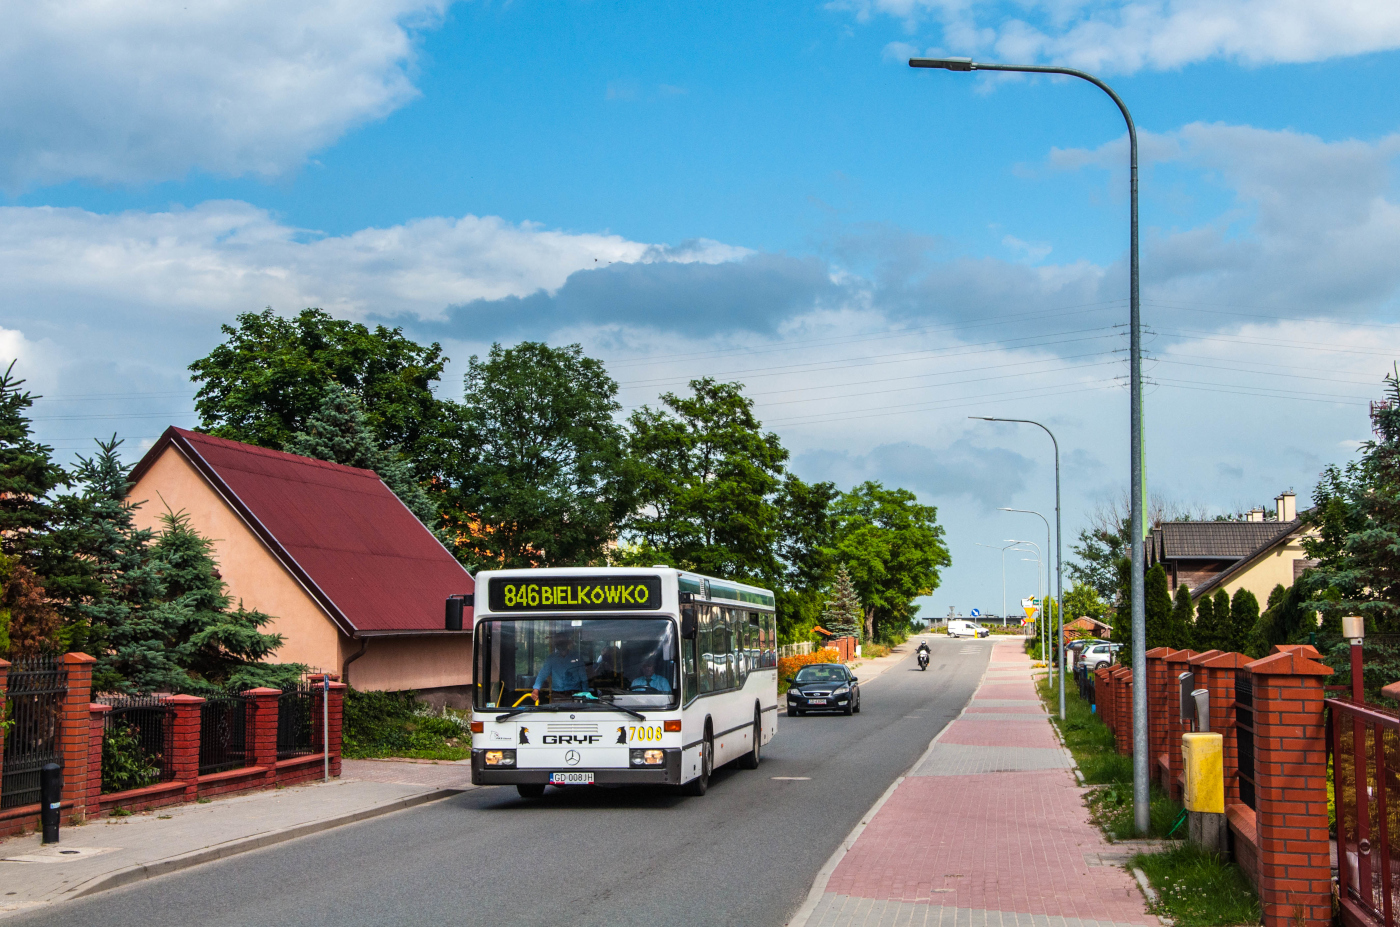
(822, 672)
(629, 662)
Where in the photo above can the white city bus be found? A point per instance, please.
(619, 676)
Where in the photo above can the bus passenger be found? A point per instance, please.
(564, 668)
(649, 679)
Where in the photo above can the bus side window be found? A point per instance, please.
(770, 650)
(755, 642)
(738, 659)
(704, 644)
(688, 674)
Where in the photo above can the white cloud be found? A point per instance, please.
(223, 257)
(1124, 36)
(148, 90)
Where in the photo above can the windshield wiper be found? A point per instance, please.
(526, 710)
(593, 700)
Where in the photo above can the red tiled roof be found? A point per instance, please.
(364, 556)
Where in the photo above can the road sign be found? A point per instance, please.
(977, 613)
(1029, 604)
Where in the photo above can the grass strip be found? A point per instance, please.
(1198, 888)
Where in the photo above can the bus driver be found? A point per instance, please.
(648, 678)
(563, 668)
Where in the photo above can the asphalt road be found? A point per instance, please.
(744, 854)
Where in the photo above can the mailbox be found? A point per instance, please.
(1203, 757)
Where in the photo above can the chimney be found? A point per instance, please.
(1256, 515)
(1287, 505)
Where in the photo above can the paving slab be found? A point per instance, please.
(988, 830)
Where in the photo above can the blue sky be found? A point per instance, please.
(761, 192)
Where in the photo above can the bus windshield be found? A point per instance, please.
(629, 662)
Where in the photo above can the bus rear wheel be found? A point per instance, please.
(530, 790)
(701, 783)
(751, 759)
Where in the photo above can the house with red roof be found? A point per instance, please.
(355, 583)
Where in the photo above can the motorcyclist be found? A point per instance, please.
(923, 654)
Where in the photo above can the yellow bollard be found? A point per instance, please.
(1203, 756)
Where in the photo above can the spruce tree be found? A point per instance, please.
(1183, 629)
(1244, 614)
(843, 615)
(1224, 634)
(339, 431)
(1159, 609)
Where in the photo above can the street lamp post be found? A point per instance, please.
(1003, 575)
(1059, 604)
(1039, 564)
(1136, 480)
(1059, 564)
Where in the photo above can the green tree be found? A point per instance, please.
(1244, 614)
(1100, 556)
(538, 472)
(1159, 609)
(29, 624)
(269, 376)
(1083, 601)
(1183, 625)
(805, 553)
(339, 432)
(843, 615)
(894, 549)
(707, 479)
(1224, 622)
(191, 638)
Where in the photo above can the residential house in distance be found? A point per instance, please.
(355, 583)
(1255, 554)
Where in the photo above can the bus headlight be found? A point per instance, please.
(648, 757)
(500, 757)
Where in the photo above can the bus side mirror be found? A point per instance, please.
(455, 603)
(688, 622)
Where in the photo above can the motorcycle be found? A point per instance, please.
(923, 659)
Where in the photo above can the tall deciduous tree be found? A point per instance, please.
(894, 549)
(707, 478)
(339, 432)
(538, 473)
(1083, 601)
(805, 552)
(29, 624)
(269, 376)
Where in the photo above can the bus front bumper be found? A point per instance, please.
(668, 773)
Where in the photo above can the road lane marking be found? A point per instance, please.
(791, 778)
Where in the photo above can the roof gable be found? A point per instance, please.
(359, 551)
(1216, 540)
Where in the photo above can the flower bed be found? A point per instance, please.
(788, 666)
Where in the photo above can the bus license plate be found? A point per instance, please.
(817, 701)
(571, 778)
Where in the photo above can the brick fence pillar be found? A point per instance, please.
(76, 732)
(184, 741)
(261, 736)
(1103, 696)
(97, 726)
(4, 683)
(1123, 709)
(1158, 704)
(1220, 681)
(1290, 763)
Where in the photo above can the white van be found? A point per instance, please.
(958, 627)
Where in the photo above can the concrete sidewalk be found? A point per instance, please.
(989, 828)
(112, 852)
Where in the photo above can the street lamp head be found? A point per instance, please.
(946, 64)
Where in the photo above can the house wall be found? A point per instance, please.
(413, 663)
(254, 576)
(1270, 570)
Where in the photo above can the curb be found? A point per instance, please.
(234, 847)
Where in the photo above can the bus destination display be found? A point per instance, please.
(574, 593)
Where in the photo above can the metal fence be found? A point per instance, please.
(136, 740)
(1365, 746)
(1244, 733)
(223, 733)
(37, 688)
(294, 722)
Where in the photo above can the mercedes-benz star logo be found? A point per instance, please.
(572, 758)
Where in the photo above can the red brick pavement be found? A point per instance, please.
(999, 842)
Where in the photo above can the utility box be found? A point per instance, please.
(1203, 757)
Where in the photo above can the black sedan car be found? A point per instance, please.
(823, 687)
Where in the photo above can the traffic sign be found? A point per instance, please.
(1029, 604)
(977, 613)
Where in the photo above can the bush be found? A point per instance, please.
(124, 764)
(873, 651)
(380, 724)
(788, 666)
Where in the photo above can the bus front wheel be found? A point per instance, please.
(701, 783)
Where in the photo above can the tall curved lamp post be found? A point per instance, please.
(1059, 594)
(1137, 482)
(1003, 574)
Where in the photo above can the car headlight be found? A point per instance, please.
(794, 693)
(843, 690)
(500, 757)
